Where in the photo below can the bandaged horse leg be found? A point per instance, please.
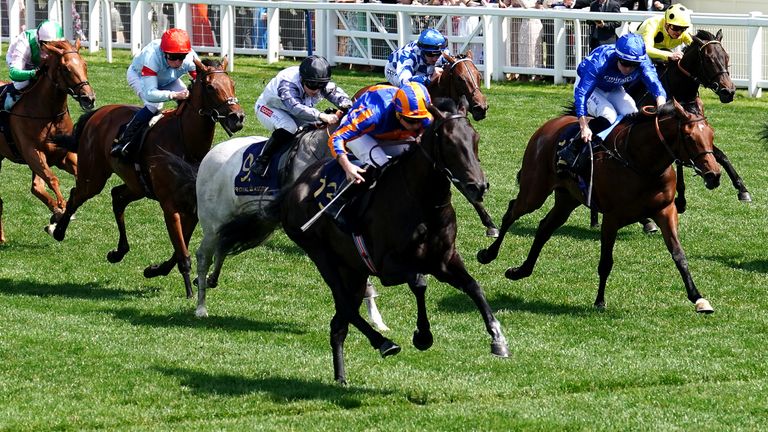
(373, 311)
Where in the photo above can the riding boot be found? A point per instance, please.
(567, 155)
(12, 96)
(346, 208)
(122, 145)
(278, 138)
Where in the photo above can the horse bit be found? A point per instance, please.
(71, 90)
(712, 84)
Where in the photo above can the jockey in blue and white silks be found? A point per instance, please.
(288, 102)
(599, 90)
(418, 61)
(382, 123)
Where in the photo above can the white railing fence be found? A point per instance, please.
(504, 41)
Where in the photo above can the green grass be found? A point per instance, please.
(87, 345)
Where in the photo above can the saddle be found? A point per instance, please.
(137, 143)
(5, 120)
(348, 209)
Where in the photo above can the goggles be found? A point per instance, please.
(175, 56)
(314, 85)
(629, 64)
(677, 28)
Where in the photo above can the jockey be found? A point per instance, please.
(288, 102)
(155, 76)
(418, 61)
(25, 54)
(382, 123)
(599, 90)
(662, 34)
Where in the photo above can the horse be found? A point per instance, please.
(408, 227)
(40, 114)
(186, 131)
(218, 203)
(460, 77)
(633, 179)
(704, 63)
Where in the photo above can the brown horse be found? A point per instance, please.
(42, 113)
(186, 132)
(409, 227)
(633, 179)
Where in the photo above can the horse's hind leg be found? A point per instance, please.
(39, 191)
(680, 202)
(564, 206)
(121, 197)
(607, 242)
(422, 336)
(491, 229)
(203, 256)
(667, 221)
(738, 183)
(370, 304)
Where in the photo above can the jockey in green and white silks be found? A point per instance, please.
(25, 56)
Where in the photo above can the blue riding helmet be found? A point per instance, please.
(631, 47)
(432, 40)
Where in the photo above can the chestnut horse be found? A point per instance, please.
(40, 114)
(187, 132)
(633, 179)
(408, 227)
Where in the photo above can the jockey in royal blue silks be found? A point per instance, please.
(155, 76)
(288, 102)
(418, 61)
(382, 123)
(599, 90)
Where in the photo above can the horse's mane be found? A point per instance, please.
(70, 142)
(211, 62)
(445, 104)
(668, 109)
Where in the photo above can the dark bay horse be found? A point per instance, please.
(461, 78)
(40, 114)
(633, 179)
(186, 131)
(409, 227)
(704, 63)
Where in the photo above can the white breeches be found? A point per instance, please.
(134, 80)
(377, 153)
(273, 119)
(610, 105)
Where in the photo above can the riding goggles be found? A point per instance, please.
(432, 53)
(175, 56)
(629, 64)
(677, 28)
(315, 85)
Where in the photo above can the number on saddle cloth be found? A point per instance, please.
(348, 208)
(247, 183)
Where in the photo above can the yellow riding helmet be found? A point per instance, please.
(678, 15)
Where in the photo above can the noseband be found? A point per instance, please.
(73, 89)
(681, 138)
(708, 82)
(215, 113)
(474, 87)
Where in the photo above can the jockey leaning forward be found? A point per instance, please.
(288, 102)
(599, 90)
(417, 61)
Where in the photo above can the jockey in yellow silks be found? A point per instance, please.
(663, 33)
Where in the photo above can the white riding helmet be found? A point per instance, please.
(49, 31)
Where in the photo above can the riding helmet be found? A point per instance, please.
(678, 15)
(315, 69)
(175, 41)
(49, 31)
(412, 100)
(432, 40)
(631, 47)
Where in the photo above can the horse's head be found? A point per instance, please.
(463, 79)
(711, 68)
(695, 143)
(450, 142)
(69, 72)
(217, 90)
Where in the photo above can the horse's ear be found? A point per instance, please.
(436, 113)
(697, 40)
(201, 68)
(468, 54)
(451, 59)
(719, 35)
(679, 108)
(77, 44)
(463, 105)
(224, 63)
(50, 47)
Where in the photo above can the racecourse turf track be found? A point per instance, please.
(87, 345)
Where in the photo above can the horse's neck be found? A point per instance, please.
(682, 87)
(644, 149)
(196, 131)
(441, 86)
(424, 185)
(46, 97)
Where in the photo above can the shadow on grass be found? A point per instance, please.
(460, 303)
(71, 290)
(734, 262)
(187, 319)
(279, 389)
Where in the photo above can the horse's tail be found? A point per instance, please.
(249, 230)
(184, 180)
(569, 109)
(70, 142)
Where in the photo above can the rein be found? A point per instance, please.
(474, 87)
(71, 90)
(213, 112)
(711, 82)
(437, 162)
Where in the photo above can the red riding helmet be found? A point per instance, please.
(175, 41)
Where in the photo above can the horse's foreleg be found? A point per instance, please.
(607, 242)
(738, 183)
(39, 166)
(491, 229)
(339, 330)
(456, 274)
(667, 222)
(370, 304)
(484, 256)
(594, 219)
(203, 256)
(177, 226)
(38, 190)
(121, 197)
(422, 336)
(564, 206)
(680, 201)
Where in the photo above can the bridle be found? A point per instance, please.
(72, 90)
(215, 113)
(708, 82)
(472, 83)
(438, 159)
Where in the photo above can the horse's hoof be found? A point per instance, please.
(341, 381)
(515, 273)
(594, 225)
(213, 282)
(483, 257)
(703, 306)
(680, 205)
(151, 271)
(422, 340)
(745, 197)
(499, 349)
(600, 306)
(113, 256)
(389, 348)
(50, 229)
(201, 312)
(492, 232)
(650, 227)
